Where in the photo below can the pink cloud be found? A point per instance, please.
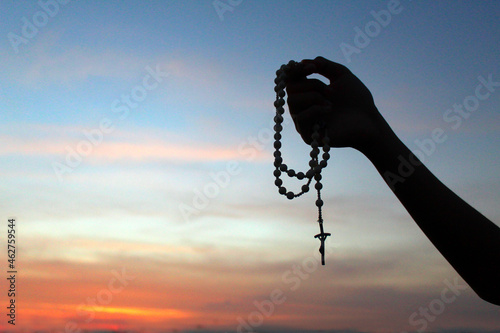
(147, 150)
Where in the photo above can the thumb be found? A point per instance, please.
(329, 69)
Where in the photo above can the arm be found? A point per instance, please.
(467, 239)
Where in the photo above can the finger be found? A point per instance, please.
(297, 103)
(305, 120)
(329, 69)
(305, 85)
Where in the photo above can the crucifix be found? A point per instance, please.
(322, 237)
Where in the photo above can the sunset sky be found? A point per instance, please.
(135, 155)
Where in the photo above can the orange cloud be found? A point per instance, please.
(182, 287)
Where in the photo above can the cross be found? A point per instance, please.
(322, 236)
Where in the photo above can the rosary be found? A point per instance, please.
(315, 165)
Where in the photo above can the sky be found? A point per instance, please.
(136, 158)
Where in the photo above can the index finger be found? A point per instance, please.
(305, 85)
(329, 69)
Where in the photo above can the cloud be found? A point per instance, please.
(204, 89)
(178, 285)
(47, 63)
(60, 141)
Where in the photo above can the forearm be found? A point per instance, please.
(467, 239)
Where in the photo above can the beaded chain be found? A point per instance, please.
(315, 165)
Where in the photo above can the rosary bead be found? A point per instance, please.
(280, 110)
(317, 176)
(283, 167)
(326, 156)
(279, 102)
(277, 80)
(278, 119)
(318, 186)
(281, 85)
(310, 174)
(278, 128)
(278, 182)
(305, 188)
(277, 173)
(277, 136)
(276, 88)
(291, 173)
(282, 190)
(323, 164)
(326, 148)
(314, 144)
(279, 71)
(277, 153)
(281, 93)
(290, 195)
(319, 203)
(317, 169)
(278, 161)
(277, 144)
(300, 175)
(313, 163)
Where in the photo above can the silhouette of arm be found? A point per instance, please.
(468, 240)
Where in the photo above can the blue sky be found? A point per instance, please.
(206, 117)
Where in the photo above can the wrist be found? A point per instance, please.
(383, 144)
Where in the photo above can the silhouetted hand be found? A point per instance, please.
(345, 106)
(467, 239)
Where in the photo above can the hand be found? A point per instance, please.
(345, 106)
